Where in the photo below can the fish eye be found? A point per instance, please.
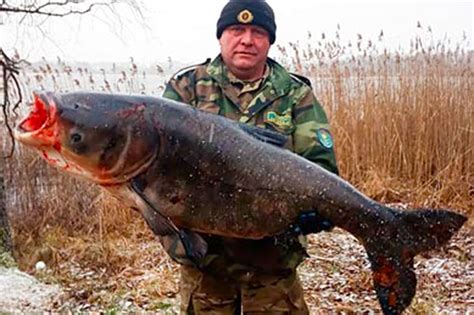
(76, 138)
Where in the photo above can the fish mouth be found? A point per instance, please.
(39, 129)
(36, 128)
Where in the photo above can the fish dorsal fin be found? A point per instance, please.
(265, 135)
(190, 246)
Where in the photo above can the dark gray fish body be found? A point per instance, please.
(187, 170)
(216, 178)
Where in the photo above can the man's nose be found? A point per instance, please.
(247, 38)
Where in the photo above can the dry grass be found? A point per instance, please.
(403, 123)
(403, 127)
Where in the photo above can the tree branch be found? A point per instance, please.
(41, 10)
(9, 72)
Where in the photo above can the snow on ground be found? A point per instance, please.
(336, 279)
(20, 292)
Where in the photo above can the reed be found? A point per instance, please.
(403, 122)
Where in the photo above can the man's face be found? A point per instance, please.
(244, 49)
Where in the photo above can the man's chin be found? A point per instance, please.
(245, 64)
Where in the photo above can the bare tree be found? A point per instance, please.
(60, 8)
(36, 11)
(9, 72)
(49, 8)
(5, 232)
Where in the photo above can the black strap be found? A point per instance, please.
(301, 78)
(138, 186)
(185, 69)
(265, 135)
(259, 107)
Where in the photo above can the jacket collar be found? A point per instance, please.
(276, 85)
(278, 77)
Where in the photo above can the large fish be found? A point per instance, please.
(189, 171)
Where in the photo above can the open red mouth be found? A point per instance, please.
(37, 118)
(38, 128)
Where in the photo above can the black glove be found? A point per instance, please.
(309, 222)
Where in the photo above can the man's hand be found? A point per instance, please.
(311, 222)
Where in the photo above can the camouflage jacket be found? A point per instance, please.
(282, 102)
(279, 101)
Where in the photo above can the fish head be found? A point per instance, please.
(104, 138)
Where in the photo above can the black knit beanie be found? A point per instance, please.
(253, 12)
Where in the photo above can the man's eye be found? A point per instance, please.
(260, 33)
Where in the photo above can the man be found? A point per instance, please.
(242, 83)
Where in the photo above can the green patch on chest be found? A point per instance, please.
(282, 121)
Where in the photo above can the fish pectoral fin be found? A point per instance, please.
(265, 135)
(184, 246)
(195, 244)
(189, 246)
(157, 221)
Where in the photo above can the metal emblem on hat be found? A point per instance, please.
(245, 17)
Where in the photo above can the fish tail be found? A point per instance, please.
(391, 254)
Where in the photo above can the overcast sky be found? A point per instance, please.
(185, 29)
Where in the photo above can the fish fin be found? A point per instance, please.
(427, 229)
(194, 247)
(159, 223)
(394, 281)
(265, 135)
(186, 248)
(391, 254)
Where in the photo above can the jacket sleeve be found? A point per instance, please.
(312, 137)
